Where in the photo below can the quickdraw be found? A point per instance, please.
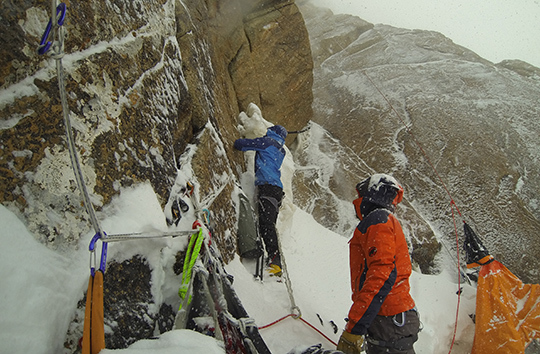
(93, 339)
(45, 44)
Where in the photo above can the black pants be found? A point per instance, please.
(393, 334)
(269, 200)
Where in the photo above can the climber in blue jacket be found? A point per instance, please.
(268, 159)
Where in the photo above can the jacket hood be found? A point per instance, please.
(278, 133)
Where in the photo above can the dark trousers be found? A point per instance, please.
(269, 201)
(393, 334)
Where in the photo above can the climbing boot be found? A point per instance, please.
(274, 270)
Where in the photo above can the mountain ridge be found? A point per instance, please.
(389, 88)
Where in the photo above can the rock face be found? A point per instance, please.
(145, 82)
(142, 81)
(407, 102)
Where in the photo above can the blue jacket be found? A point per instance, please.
(269, 155)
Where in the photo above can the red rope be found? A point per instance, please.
(459, 278)
(321, 333)
(452, 203)
(273, 323)
(306, 322)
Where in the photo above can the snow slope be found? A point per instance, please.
(41, 288)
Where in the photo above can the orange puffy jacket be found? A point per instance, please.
(380, 268)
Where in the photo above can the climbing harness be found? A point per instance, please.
(402, 344)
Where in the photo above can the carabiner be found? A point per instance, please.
(45, 45)
(295, 312)
(399, 324)
(92, 249)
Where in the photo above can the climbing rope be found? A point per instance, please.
(295, 310)
(303, 320)
(452, 202)
(55, 48)
(142, 236)
(459, 282)
(318, 331)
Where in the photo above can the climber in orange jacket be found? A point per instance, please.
(383, 310)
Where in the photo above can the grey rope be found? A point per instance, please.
(73, 153)
(295, 310)
(140, 235)
(57, 52)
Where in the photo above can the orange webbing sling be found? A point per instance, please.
(94, 330)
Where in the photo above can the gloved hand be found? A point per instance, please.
(350, 343)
